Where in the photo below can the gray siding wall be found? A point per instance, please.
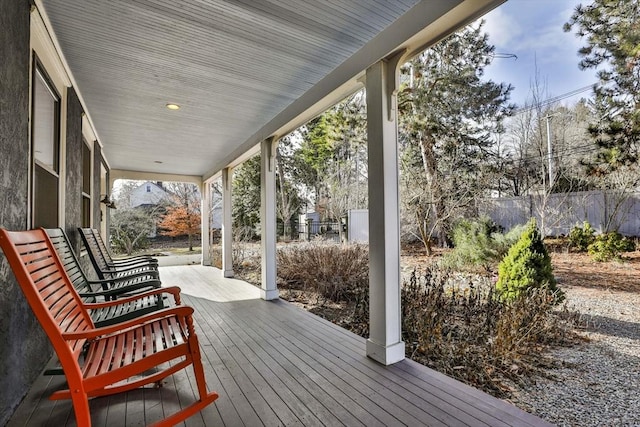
(24, 349)
(73, 198)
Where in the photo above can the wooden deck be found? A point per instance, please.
(274, 364)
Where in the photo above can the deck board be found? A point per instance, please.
(291, 381)
(394, 382)
(275, 364)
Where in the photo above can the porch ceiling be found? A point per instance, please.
(242, 70)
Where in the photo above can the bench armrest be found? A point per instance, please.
(174, 290)
(181, 311)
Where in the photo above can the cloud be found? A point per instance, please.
(532, 30)
(502, 27)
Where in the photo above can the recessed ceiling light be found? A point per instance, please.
(173, 106)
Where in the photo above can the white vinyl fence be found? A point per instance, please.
(559, 213)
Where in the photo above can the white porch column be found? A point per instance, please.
(227, 237)
(205, 215)
(268, 217)
(384, 344)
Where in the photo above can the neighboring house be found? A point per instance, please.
(148, 194)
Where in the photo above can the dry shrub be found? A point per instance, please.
(336, 273)
(452, 322)
(246, 259)
(215, 255)
(458, 326)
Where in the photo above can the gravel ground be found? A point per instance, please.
(600, 382)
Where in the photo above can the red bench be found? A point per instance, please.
(110, 359)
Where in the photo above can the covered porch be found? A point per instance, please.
(186, 91)
(275, 364)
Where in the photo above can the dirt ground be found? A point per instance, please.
(578, 269)
(570, 268)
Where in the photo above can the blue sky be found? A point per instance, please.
(532, 30)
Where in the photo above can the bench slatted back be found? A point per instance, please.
(48, 289)
(70, 262)
(95, 254)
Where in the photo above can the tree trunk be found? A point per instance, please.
(285, 208)
(423, 226)
(430, 164)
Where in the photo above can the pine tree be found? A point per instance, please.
(448, 115)
(526, 266)
(246, 197)
(613, 47)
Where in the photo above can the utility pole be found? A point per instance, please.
(549, 150)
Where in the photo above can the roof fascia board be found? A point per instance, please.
(115, 174)
(423, 25)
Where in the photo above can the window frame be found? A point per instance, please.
(87, 184)
(39, 73)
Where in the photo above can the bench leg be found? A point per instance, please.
(81, 408)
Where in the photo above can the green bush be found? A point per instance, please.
(610, 246)
(472, 241)
(526, 266)
(504, 241)
(581, 237)
(478, 242)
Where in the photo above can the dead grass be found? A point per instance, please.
(456, 324)
(333, 272)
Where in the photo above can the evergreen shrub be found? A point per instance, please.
(581, 237)
(479, 242)
(472, 241)
(527, 266)
(610, 246)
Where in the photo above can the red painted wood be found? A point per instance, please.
(115, 353)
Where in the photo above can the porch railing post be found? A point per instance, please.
(268, 217)
(205, 209)
(227, 235)
(385, 339)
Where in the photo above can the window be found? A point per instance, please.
(45, 135)
(86, 185)
(148, 188)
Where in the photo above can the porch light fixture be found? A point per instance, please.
(108, 202)
(173, 106)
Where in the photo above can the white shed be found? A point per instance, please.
(358, 225)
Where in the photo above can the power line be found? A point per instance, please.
(552, 100)
(580, 149)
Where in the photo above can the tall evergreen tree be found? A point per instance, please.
(331, 159)
(246, 197)
(317, 150)
(448, 114)
(612, 32)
